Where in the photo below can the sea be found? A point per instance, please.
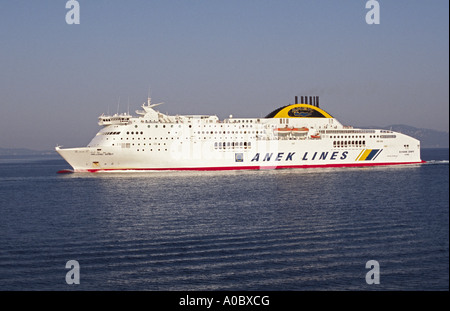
(318, 229)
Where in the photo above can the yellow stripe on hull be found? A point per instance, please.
(359, 155)
(365, 154)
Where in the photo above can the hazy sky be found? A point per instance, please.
(244, 57)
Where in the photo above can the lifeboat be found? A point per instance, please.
(300, 131)
(283, 130)
(291, 130)
(316, 136)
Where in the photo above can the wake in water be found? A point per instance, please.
(434, 162)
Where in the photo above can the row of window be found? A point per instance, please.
(345, 136)
(190, 126)
(352, 143)
(360, 136)
(349, 131)
(232, 145)
(151, 149)
(232, 132)
(253, 132)
(226, 132)
(132, 133)
(111, 133)
(128, 145)
(167, 138)
(199, 132)
(243, 121)
(382, 136)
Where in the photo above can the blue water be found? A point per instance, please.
(278, 230)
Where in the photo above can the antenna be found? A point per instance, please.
(128, 111)
(118, 104)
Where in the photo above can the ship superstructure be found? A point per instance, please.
(293, 136)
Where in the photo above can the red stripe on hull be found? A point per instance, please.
(231, 168)
(65, 172)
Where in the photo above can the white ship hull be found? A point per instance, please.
(160, 142)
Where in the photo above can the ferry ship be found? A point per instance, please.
(299, 135)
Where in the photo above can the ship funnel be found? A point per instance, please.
(311, 100)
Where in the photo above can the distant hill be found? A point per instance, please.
(22, 151)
